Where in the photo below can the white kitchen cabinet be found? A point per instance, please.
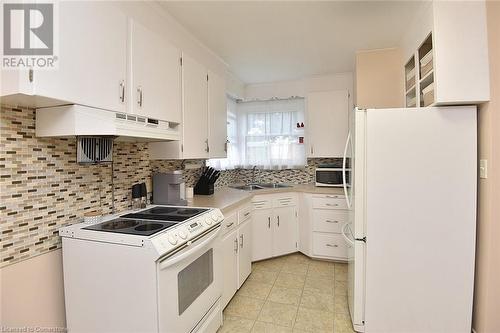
(326, 216)
(245, 251)
(229, 245)
(236, 245)
(327, 123)
(217, 116)
(285, 231)
(274, 228)
(155, 75)
(453, 34)
(262, 246)
(195, 106)
(91, 61)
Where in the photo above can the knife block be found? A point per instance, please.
(204, 188)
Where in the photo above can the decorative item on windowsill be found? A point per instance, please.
(205, 184)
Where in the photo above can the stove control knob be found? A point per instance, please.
(208, 221)
(172, 239)
(183, 234)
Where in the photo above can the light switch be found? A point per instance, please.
(483, 168)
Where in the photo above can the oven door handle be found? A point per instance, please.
(190, 248)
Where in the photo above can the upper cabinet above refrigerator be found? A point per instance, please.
(446, 55)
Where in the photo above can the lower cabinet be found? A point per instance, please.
(274, 227)
(328, 213)
(236, 245)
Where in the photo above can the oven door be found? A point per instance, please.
(189, 283)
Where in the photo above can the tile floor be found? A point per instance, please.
(291, 294)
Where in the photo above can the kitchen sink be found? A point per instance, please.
(253, 187)
(274, 185)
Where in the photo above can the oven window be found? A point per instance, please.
(194, 279)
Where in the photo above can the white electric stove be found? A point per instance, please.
(153, 270)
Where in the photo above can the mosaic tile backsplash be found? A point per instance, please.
(42, 188)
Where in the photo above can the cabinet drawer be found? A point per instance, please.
(329, 245)
(326, 220)
(284, 202)
(329, 196)
(230, 222)
(262, 204)
(329, 203)
(244, 214)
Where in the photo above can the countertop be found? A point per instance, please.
(227, 198)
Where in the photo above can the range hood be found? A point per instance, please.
(78, 120)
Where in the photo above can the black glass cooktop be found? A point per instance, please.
(132, 226)
(176, 214)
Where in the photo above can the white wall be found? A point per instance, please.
(285, 89)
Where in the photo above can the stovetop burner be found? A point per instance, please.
(131, 226)
(177, 214)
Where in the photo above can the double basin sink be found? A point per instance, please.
(260, 186)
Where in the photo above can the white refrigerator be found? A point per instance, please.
(412, 228)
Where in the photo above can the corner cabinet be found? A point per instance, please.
(204, 116)
(275, 227)
(446, 52)
(327, 123)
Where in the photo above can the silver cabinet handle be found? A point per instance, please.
(207, 149)
(332, 205)
(330, 221)
(330, 245)
(278, 220)
(269, 222)
(241, 240)
(246, 214)
(312, 150)
(332, 196)
(139, 100)
(122, 91)
(236, 245)
(225, 145)
(229, 225)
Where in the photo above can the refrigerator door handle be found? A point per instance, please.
(346, 238)
(344, 178)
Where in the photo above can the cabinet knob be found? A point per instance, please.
(332, 245)
(236, 245)
(139, 99)
(241, 240)
(122, 91)
(269, 222)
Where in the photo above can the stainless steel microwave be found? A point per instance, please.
(332, 177)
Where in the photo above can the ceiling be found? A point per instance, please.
(265, 41)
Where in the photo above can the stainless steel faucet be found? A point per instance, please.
(254, 169)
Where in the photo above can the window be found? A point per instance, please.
(265, 134)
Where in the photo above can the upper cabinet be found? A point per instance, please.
(204, 116)
(195, 109)
(217, 116)
(327, 123)
(446, 52)
(155, 75)
(91, 61)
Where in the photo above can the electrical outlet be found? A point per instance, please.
(483, 169)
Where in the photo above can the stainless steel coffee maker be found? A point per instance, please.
(169, 188)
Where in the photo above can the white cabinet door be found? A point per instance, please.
(92, 56)
(195, 109)
(245, 251)
(285, 231)
(155, 75)
(262, 234)
(217, 114)
(229, 246)
(327, 115)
